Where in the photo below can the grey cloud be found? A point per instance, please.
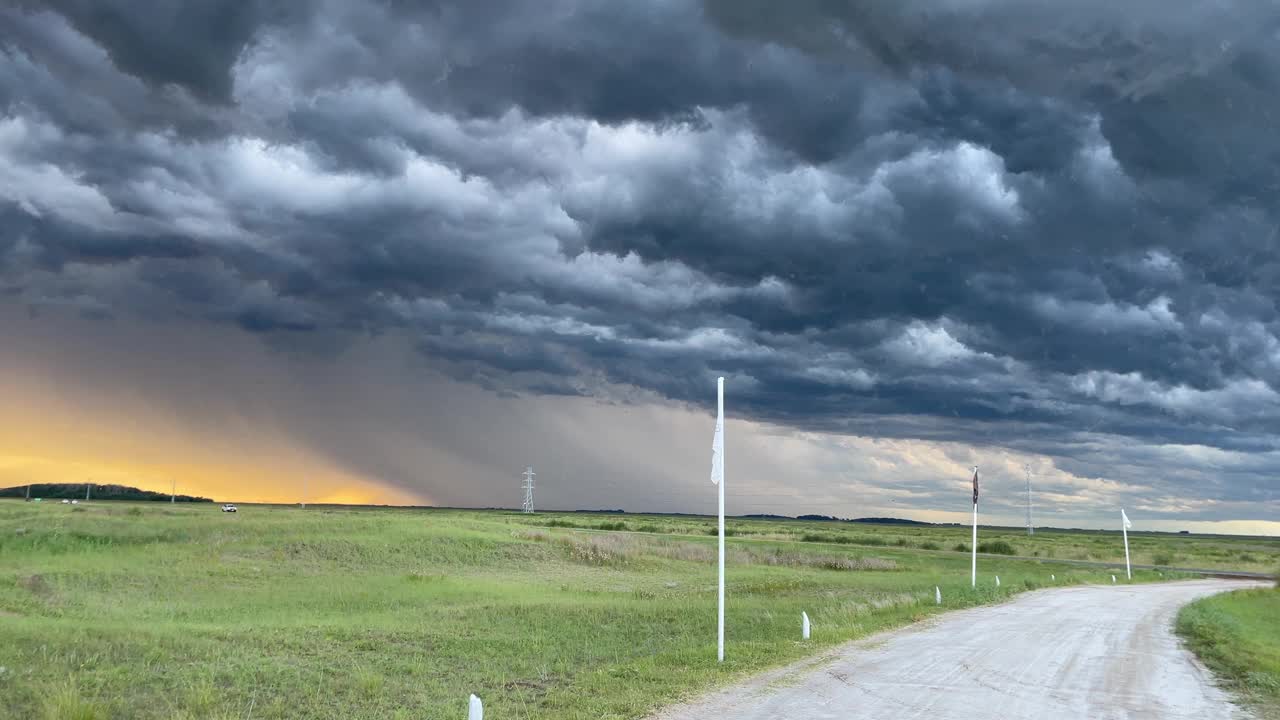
(978, 221)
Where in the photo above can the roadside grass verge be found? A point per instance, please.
(1237, 635)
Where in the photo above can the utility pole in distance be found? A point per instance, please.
(173, 494)
(528, 489)
(86, 490)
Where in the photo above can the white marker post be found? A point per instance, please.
(997, 581)
(475, 710)
(804, 625)
(717, 478)
(937, 595)
(1124, 528)
(1113, 579)
(974, 574)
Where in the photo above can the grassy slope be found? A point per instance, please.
(1238, 635)
(154, 611)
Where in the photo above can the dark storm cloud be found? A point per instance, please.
(1025, 224)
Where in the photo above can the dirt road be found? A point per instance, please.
(1097, 652)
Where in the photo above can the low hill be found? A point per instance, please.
(75, 491)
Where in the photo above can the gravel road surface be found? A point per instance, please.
(1097, 652)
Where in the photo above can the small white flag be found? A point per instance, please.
(804, 625)
(1125, 518)
(717, 452)
(476, 710)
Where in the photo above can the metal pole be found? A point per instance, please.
(1030, 529)
(86, 491)
(723, 476)
(1127, 569)
(173, 492)
(974, 572)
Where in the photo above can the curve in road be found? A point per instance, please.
(1098, 652)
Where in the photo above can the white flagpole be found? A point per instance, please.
(1124, 528)
(720, 612)
(974, 571)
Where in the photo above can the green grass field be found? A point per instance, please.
(1238, 635)
(115, 610)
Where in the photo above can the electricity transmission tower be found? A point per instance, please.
(1030, 528)
(528, 489)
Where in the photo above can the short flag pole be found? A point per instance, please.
(1124, 528)
(973, 579)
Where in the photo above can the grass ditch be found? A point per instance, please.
(1237, 634)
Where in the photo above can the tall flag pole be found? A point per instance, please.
(974, 572)
(717, 478)
(1124, 529)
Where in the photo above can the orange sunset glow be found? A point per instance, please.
(46, 440)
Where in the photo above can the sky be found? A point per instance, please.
(396, 252)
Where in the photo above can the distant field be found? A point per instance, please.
(1161, 549)
(1238, 635)
(115, 610)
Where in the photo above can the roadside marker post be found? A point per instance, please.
(475, 710)
(804, 625)
(937, 595)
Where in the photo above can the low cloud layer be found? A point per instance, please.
(1028, 229)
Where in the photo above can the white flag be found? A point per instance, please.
(1127, 525)
(717, 452)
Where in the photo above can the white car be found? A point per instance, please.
(228, 508)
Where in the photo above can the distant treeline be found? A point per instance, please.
(829, 518)
(75, 491)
